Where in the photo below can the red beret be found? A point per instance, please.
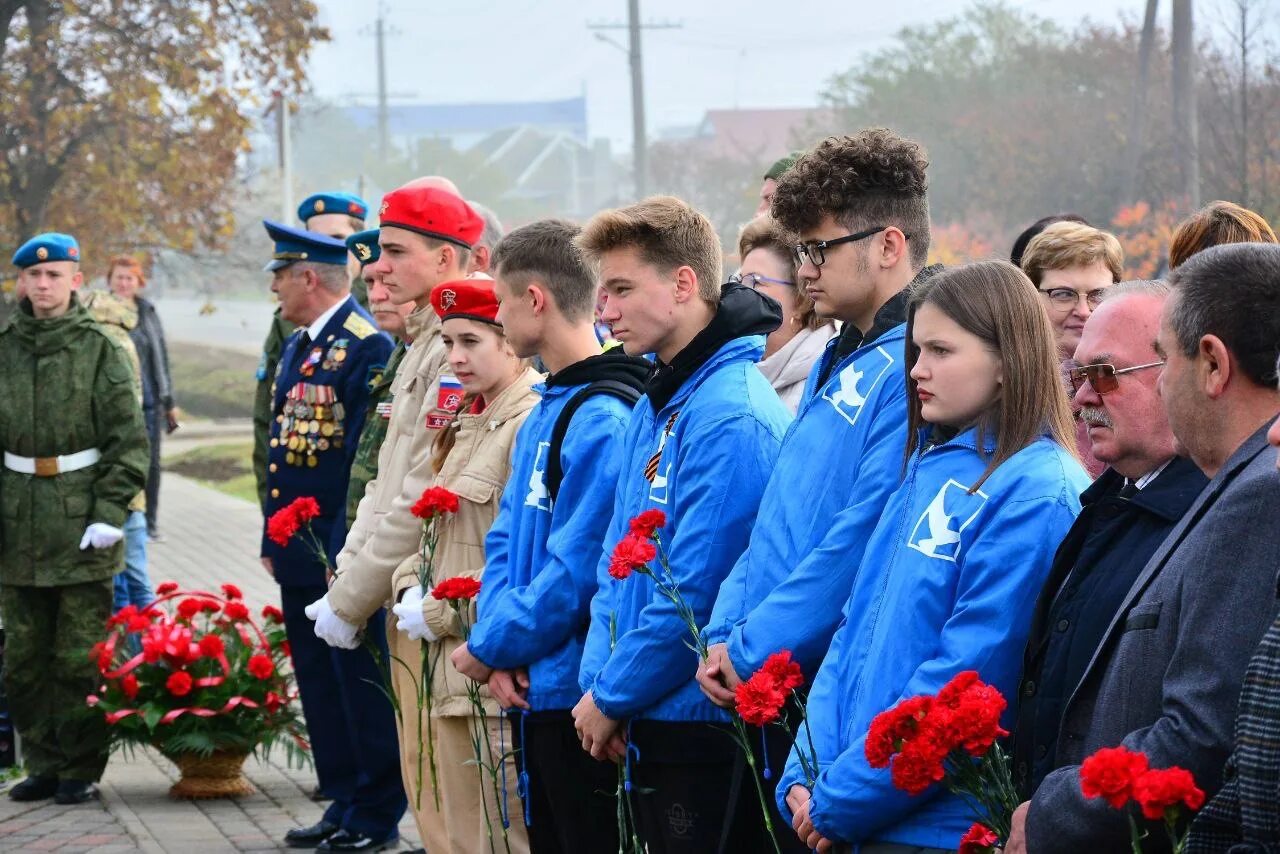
(432, 212)
(470, 298)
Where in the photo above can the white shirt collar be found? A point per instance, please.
(317, 326)
(1141, 482)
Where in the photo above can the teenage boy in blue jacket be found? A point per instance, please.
(862, 245)
(542, 550)
(700, 447)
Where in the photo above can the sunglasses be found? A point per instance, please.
(755, 280)
(1103, 377)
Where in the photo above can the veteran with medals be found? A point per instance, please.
(319, 401)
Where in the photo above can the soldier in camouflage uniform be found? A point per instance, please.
(337, 215)
(390, 319)
(75, 455)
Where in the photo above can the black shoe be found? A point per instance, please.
(35, 789)
(75, 792)
(310, 837)
(318, 795)
(348, 840)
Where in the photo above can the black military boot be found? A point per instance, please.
(75, 792)
(35, 788)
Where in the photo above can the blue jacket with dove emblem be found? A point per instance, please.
(948, 582)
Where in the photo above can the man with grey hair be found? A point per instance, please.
(1164, 677)
(482, 251)
(319, 402)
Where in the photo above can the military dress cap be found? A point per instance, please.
(432, 212)
(472, 299)
(327, 203)
(364, 245)
(50, 246)
(295, 244)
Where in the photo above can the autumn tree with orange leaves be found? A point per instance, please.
(124, 119)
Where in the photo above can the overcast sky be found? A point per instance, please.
(727, 53)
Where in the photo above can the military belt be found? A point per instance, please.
(51, 466)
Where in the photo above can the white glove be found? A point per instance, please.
(331, 628)
(412, 622)
(100, 535)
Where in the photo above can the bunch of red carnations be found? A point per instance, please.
(951, 738)
(1120, 776)
(194, 672)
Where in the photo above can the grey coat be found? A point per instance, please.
(1167, 676)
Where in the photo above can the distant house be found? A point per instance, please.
(761, 135)
(464, 125)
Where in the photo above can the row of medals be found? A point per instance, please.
(307, 428)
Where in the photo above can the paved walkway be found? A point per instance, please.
(211, 538)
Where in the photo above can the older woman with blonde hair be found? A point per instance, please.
(769, 267)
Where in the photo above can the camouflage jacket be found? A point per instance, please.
(117, 319)
(364, 467)
(280, 331)
(67, 388)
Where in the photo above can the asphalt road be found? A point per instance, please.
(235, 324)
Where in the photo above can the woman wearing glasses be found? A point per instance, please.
(1071, 265)
(768, 265)
(949, 576)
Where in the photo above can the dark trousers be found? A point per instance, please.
(690, 791)
(48, 673)
(350, 721)
(569, 798)
(157, 421)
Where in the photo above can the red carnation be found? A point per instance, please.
(236, 611)
(457, 588)
(305, 509)
(282, 525)
(979, 839)
(1157, 791)
(124, 615)
(920, 763)
(783, 670)
(284, 647)
(211, 646)
(967, 713)
(272, 613)
(100, 654)
(231, 591)
(139, 622)
(273, 701)
(166, 588)
(632, 553)
(891, 729)
(189, 607)
(260, 666)
(435, 501)
(647, 523)
(129, 686)
(759, 700)
(1110, 773)
(179, 683)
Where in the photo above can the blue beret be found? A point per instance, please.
(364, 245)
(50, 246)
(295, 244)
(327, 203)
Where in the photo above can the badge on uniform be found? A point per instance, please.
(336, 355)
(447, 402)
(310, 423)
(313, 358)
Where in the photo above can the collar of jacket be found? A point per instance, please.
(794, 360)
(421, 324)
(43, 336)
(1168, 496)
(742, 313)
(514, 400)
(966, 438)
(891, 314)
(613, 365)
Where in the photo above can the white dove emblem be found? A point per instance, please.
(844, 393)
(934, 534)
(538, 495)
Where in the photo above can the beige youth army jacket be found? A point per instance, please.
(477, 469)
(385, 532)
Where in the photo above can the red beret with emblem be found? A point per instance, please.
(432, 212)
(470, 298)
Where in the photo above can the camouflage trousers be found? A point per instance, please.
(48, 674)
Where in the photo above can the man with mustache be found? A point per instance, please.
(1127, 512)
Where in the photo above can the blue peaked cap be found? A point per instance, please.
(50, 246)
(364, 245)
(296, 244)
(327, 203)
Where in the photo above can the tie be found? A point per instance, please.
(1129, 490)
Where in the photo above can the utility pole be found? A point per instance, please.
(1138, 107)
(383, 133)
(639, 135)
(285, 154)
(1185, 123)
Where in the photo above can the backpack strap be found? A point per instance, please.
(628, 394)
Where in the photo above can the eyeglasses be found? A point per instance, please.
(815, 251)
(1065, 299)
(755, 280)
(1103, 376)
